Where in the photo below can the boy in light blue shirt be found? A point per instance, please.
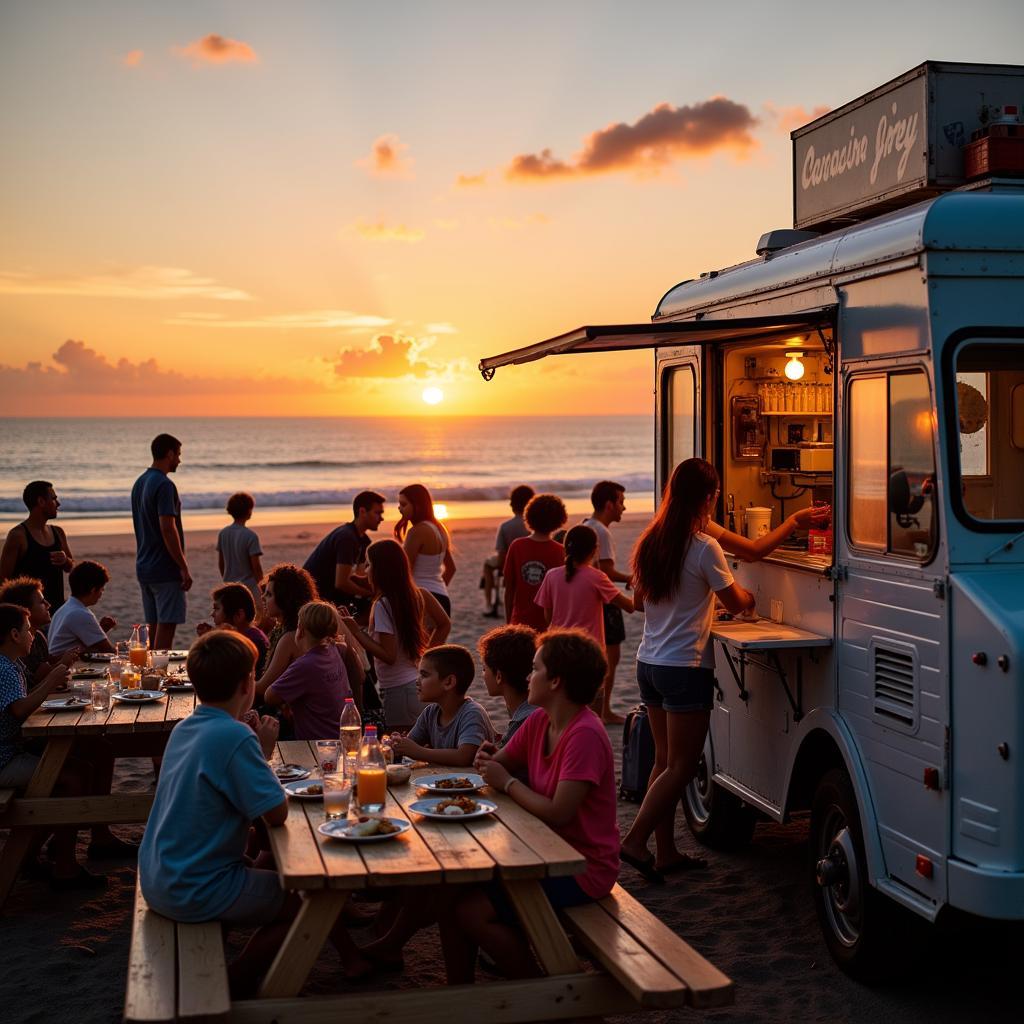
(214, 782)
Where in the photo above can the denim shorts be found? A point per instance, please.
(402, 705)
(163, 602)
(676, 687)
(260, 900)
(18, 772)
(614, 626)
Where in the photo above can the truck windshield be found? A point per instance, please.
(989, 400)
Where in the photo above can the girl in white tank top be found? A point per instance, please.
(428, 570)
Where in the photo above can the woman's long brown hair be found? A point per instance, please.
(660, 551)
(392, 579)
(422, 510)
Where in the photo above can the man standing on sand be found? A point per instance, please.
(609, 501)
(160, 543)
(35, 549)
(335, 561)
(510, 530)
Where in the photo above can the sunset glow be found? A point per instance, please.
(316, 212)
(433, 396)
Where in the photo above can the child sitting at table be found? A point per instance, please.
(234, 608)
(315, 684)
(27, 592)
(507, 655)
(570, 786)
(74, 623)
(214, 782)
(452, 726)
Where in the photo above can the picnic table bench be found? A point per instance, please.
(177, 972)
(129, 730)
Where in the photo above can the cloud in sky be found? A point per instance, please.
(317, 319)
(389, 355)
(77, 369)
(471, 180)
(216, 49)
(381, 232)
(147, 282)
(441, 328)
(132, 59)
(387, 159)
(648, 145)
(788, 119)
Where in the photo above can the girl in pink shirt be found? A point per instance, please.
(564, 750)
(574, 596)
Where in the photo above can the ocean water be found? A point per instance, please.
(301, 470)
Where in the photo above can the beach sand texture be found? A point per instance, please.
(749, 912)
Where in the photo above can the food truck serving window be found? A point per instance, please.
(987, 435)
(892, 469)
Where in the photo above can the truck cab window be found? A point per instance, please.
(680, 390)
(892, 464)
(988, 395)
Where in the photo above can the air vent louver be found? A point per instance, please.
(895, 685)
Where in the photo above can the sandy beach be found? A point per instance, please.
(749, 912)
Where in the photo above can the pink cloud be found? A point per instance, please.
(388, 356)
(788, 119)
(215, 49)
(387, 159)
(132, 59)
(648, 145)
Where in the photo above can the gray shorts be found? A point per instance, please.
(163, 602)
(260, 900)
(18, 771)
(402, 705)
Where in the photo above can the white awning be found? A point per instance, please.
(626, 337)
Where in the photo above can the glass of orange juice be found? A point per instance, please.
(372, 789)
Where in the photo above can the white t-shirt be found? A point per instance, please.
(677, 631)
(73, 625)
(404, 670)
(605, 544)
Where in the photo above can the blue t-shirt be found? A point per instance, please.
(12, 688)
(213, 782)
(153, 496)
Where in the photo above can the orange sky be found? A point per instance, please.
(329, 210)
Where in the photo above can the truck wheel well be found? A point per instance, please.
(818, 754)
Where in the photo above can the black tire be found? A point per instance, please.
(717, 818)
(864, 930)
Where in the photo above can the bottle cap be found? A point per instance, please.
(371, 729)
(349, 700)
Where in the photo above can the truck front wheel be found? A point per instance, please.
(717, 818)
(861, 927)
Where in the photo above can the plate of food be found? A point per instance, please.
(177, 655)
(89, 673)
(466, 782)
(305, 790)
(365, 830)
(97, 656)
(138, 696)
(451, 808)
(291, 772)
(178, 684)
(66, 704)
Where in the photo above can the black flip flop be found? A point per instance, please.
(685, 863)
(644, 867)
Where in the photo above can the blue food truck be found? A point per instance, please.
(872, 359)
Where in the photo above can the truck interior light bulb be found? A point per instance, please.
(795, 368)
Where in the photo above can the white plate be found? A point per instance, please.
(89, 673)
(298, 789)
(144, 696)
(426, 808)
(291, 772)
(430, 782)
(338, 829)
(66, 704)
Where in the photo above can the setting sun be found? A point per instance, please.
(433, 395)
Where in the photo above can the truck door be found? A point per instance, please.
(892, 635)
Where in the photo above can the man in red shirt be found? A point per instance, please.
(529, 558)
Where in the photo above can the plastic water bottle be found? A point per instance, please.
(371, 776)
(350, 727)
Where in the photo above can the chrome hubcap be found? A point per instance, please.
(838, 875)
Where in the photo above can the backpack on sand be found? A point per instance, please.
(637, 754)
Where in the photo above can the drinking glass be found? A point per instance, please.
(131, 677)
(121, 648)
(327, 755)
(337, 795)
(116, 668)
(100, 695)
(373, 789)
(160, 660)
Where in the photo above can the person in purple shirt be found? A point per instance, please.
(316, 683)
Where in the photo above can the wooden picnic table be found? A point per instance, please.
(128, 730)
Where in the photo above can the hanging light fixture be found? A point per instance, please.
(795, 368)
